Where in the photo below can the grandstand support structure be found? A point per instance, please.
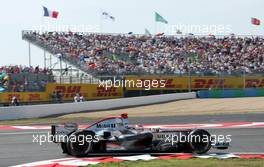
(29, 54)
(47, 60)
(61, 67)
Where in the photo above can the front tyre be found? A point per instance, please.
(199, 141)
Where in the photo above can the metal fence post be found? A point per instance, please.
(244, 78)
(190, 81)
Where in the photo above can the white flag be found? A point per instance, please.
(106, 15)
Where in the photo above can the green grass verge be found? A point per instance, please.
(189, 163)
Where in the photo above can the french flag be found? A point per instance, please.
(50, 13)
(255, 21)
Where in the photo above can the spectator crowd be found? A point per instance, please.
(156, 54)
(18, 69)
(14, 78)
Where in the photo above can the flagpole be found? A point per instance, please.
(155, 23)
(101, 21)
(42, 24)
(155, 27)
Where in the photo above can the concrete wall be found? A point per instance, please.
(36, 111)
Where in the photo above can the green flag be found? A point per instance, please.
(114, 57)
(193, 57)
(189, 60)
(159, 18)
(2, 75)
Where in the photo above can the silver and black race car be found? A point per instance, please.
(114, 134)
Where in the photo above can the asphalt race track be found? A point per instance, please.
(17, 147)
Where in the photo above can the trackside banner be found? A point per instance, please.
(97, 91)
(156, 83)
(194, 82)
(6, 97)
(68, 91)
(89, 91)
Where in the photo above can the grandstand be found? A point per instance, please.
(185, 63)
(118, 54)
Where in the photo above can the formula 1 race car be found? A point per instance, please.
(114, 134)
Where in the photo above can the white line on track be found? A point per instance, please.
(21, 133)
(247, 152)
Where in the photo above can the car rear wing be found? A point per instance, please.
(60, 133)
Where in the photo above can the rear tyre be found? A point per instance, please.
(65, 149)
(78, 145)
